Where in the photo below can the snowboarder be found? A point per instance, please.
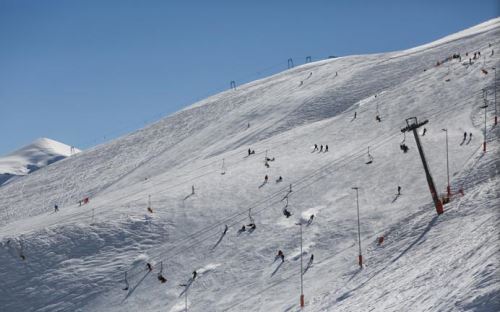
(321, 148)
(280, 255)
(315, 147)
(280, 179)
(56, 208)
(243, 229)
(399, 190)
(378, 118)
(194, 274)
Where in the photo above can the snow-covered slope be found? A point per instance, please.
(76, 259)
(40, 153)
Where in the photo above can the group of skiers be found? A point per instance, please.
(320, 149)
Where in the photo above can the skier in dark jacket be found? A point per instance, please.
(286, 213)
(56, 208)
(281, 255)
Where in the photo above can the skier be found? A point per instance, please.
(355, 114)
(249, 152)
(311, 260)
(149, 267)
(378, 118)
(399, 190)
(280, 255)
(315, 147)
(56, 208)
(192, 189)
(465, 136)
(194, 274)
(311, 218)
(266, 164)
(336, 74)
(225, 230)
(287, 213)
(243, 229)
(252, 226)
(321, 148)
(425, 131)
(266, 178)
(280, 179)
(162, 279)
(470, 136)
(326, 148)
(301, 83)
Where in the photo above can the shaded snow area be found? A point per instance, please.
(42, 152)
(192, 170)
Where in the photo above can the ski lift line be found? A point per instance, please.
(258, 211)
(218, 225)
(320, 169)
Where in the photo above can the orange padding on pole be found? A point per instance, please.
(439, 207)
(301, 301)
(360, 259)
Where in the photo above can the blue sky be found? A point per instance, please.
(84, 72)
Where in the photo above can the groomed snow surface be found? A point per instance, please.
(76, 259)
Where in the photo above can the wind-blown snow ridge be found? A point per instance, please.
(193, 171)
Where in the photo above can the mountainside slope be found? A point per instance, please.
(75, 260)
(40, 153)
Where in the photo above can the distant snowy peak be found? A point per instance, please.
(40, 153)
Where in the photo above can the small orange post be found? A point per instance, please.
(302, 301)
(439, 207)
(360, 260)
